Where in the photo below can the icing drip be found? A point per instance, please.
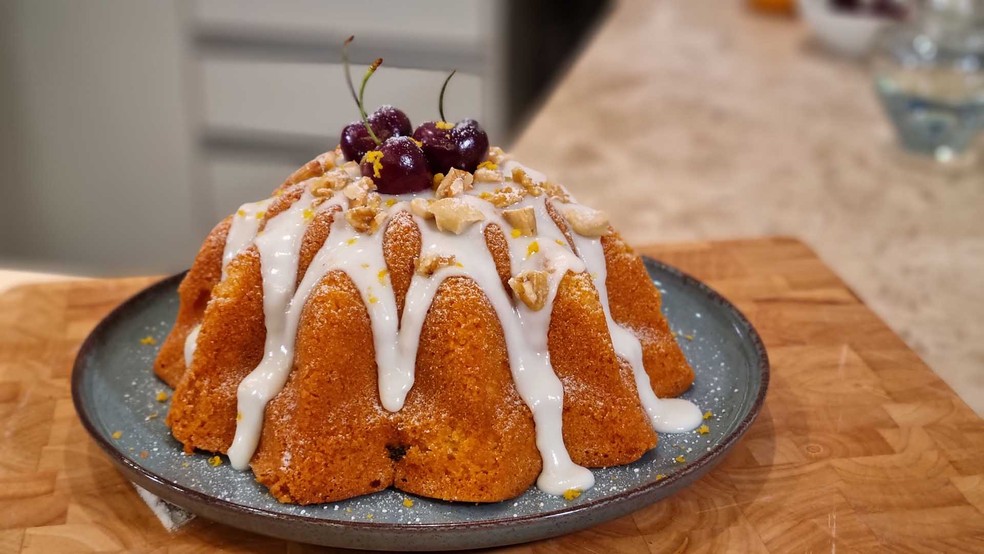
(669, 415)
(360, 256)
(525, 330)
(191, 344)
(242, 231)
(278, 245)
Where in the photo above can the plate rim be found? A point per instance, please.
(711, 456)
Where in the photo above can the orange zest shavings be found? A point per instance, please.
(375, 157)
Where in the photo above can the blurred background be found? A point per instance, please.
(129, 128)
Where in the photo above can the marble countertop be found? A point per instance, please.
(702, 120)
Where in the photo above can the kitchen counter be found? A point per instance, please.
(858, 446)
(699, 120)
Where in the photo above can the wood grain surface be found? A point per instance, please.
(860, 446)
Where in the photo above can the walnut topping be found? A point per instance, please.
(420, 207)
(365, 219)
(524, 180)
(487, 175)
(496, 155)
(522, 220)
(352, 168)
(455, 215)
(505, 196)
(553, 190)
(328, 160)
(454, 183)
(326, 185)
(531, 287)
(429, 264)
(587, 221)
(360, 193)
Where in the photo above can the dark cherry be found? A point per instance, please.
(436, 143)
(355, 141)
(463, 146)
(390, 121)
(386, 122)
(472, 143)
(398, 166)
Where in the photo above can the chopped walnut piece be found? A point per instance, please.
(531, 287)
(427, 265)
(503, 197)
(327, 160)
(352, 168)
(522, 220)
(455, 215)
(496, 155)
(373, 200)
(365, 219)
(555, 191)
(420, 207)
(454, 183)
(486, 175)
(361, 193)
(327, 184)
(519, 176)
(587, 221)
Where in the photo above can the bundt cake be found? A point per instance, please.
(417, 310)
(459, 343)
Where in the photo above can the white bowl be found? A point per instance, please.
(846, 33)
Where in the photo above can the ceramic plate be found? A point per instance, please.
(115, 391)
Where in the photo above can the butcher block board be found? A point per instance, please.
(860, 446)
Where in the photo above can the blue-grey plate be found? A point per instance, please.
(116, 395)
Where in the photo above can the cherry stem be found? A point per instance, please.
(358, 97)
(440, 100)
(362, 89)
(348, 72)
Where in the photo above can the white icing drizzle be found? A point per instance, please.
(360, 256)
(191, 344)
(525, 330)
(245, 223)
(396, 340)
(278, 245)
(669, 415)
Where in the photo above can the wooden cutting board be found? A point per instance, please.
(860, 446)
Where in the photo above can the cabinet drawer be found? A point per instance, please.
(462, 22)
(313, 99)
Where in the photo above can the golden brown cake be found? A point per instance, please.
(460, 343)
